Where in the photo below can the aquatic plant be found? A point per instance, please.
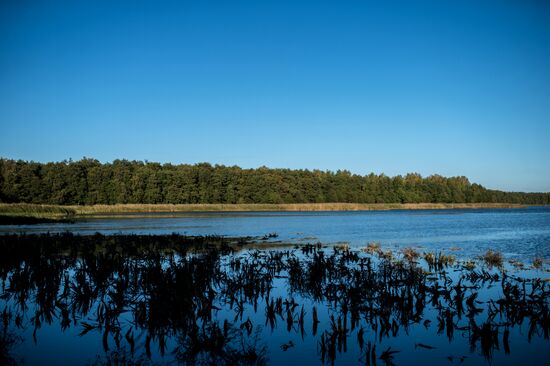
(493, 258)
(410, 254)
(341, 246)
(469, 265)
(438, 261)
(372, 248)
(202, 301)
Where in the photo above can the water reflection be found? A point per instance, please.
(203, 300)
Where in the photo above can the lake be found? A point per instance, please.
(138, 294)
(517, 233)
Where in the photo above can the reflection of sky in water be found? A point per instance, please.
(54, 347)
(515, 232)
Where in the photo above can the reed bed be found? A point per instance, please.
(145, 294)
(58, 211)
(251, 207)
(27, 209)
(23, 213)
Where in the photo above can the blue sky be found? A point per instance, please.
(454, 88)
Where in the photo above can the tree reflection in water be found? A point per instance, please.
(202, 300)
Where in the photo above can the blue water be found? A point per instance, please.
(517, 233)
(106, 281)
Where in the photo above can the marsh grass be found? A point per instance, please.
(341, 246)
(25, 213)
(410, 254)
(372, 248)
(335, 206)
(30, 213)
(143, 292)
(439, 260)
(538, 262)
(25, 209)
(87, 210)
(493, 258)
(386, 255)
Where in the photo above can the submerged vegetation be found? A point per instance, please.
(89, 182)
(203, 300)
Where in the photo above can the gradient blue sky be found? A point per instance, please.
(448, 87)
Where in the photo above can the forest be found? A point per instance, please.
(88, 181)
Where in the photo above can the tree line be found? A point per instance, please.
(88, 182)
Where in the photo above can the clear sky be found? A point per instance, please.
(448, 87)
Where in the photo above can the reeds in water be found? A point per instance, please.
(202, 298)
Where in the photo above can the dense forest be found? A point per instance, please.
(87, 182)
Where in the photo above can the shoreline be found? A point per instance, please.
(14, 213)
(284, 207)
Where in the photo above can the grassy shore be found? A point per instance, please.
(141, 208)
(22, 211)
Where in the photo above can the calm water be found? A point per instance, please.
(517, 233)
(72, 300)
(112, 304)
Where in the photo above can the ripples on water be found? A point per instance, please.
(170, 299)
(518, 233)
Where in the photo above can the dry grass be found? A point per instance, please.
(250, 207)
(493, 258)
(439, 260)
(341, 246)
(32, 209)
(372, 248)
(410, 254)
(386, 255)
(37, 211)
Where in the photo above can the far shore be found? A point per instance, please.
(261, 207)
(18, 211)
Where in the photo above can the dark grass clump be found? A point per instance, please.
(438, 261)
(372, 248)
(493, 258)
(538, 262)
(410, 254)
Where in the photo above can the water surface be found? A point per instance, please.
(76, 300)
(518, 233)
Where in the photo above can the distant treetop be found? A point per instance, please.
(88, 181)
